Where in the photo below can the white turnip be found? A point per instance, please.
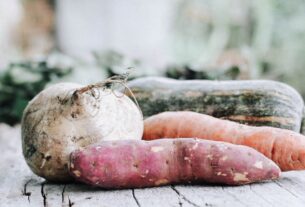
(67, 116)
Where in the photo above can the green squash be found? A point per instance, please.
(253, 102)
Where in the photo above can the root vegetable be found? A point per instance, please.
(66, 117)
(138, 163)
(284, 147)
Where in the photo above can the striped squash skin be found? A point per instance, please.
(253, 102)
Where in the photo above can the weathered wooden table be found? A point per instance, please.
(20, 187)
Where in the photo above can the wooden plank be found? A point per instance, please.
(276, 195)
(11, 185)
(220, 196)
(159, 196)
(82, 195)
(293, 183)
(20, 187)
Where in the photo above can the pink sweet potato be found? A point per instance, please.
(139, 163)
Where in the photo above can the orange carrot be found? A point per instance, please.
(286, 148)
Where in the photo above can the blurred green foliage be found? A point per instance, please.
(20, 82)
(268, 36)
(115, 63)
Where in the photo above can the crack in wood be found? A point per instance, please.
(44, 195)
(135, 198)
(63, 194)
(183, 197)
(179, 197)
(70, 202)
(25, 192)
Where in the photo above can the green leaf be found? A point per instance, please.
(20, 82)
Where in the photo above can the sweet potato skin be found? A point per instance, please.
(139, 163)
(286, 148)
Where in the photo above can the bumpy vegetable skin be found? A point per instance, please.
(67, 116)
(254, 102)
(138, 163)
(284, 147)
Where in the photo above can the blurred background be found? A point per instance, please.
(47, 41)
